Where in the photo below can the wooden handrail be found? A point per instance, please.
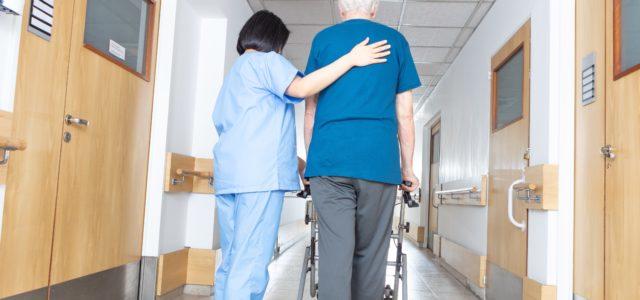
(200, 174)
(12, 144)
(526, 186)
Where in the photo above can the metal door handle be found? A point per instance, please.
(608, 152)
(513, 221)
(527, 155)
(70, 120)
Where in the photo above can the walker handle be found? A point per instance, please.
(306, 192)
(406, 196)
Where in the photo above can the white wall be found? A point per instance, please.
(9, 48)
(181, 111)
(201, 216)
(196, 47)
(462, 98)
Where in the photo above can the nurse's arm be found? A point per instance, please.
(406, 137)
(361, 55)
(309, 118)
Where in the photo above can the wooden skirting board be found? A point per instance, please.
(437, 240)
(185, 266)
(416, 234)
(533, 290)
(473, 266)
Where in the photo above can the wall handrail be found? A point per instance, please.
(473, 189)
(470, 191)
(184, 173)
(10, 144)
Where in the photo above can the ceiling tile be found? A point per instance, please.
(479, 14)
(432, 68)
(429, 54)
(301, 64)
(302, 11)
(464, 37)
(389, 13)
(430, 79)
(453, 54)
(440, 14)
(420, 90)
(436, 30)
(430, 37)
(297, 51)
(303, 34)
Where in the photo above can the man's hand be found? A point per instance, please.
(409, 176)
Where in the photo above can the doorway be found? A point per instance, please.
(508, 148)
(433, 181)
(606, 264)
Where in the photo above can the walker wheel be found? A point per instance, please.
(388, 293)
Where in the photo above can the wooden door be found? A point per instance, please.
(103, 168)
(32, 175)
(588, 267)
(434, 182)
(509, 142)
(622, 175)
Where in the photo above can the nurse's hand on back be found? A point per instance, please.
(255, 157)
(361, 55)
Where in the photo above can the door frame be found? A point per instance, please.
(426, 170)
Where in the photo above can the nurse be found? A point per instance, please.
(255, 157)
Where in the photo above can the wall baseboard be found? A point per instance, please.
(437, 240)
(473, 266)
(416, 235)
(533, 290)
(188, 266)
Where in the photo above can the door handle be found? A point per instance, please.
(608, 152)
(527, 155)
(513, 221)
(70, 120)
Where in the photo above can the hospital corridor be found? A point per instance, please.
(319, 149)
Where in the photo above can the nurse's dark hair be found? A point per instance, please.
(264, 32)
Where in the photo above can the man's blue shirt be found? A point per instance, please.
(355, 133)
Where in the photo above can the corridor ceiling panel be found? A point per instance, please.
(435, 29)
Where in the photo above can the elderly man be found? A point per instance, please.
(352, 130)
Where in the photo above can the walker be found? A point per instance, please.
(309, 264)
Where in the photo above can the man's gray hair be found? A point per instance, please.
(365, 6)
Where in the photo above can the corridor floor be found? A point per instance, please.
(427, 279)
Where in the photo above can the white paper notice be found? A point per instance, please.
(117, 50)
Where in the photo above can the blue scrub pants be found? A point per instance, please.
(249, 227)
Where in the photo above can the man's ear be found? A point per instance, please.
(341, 12)
(374, 12)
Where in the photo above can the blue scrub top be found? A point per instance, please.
(255, 120)
(355, 129)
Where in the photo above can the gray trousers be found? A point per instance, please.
(354, 219)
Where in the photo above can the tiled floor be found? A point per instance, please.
(427, 280)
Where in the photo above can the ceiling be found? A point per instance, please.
(435, 29)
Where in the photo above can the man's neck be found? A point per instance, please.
(356, 15)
